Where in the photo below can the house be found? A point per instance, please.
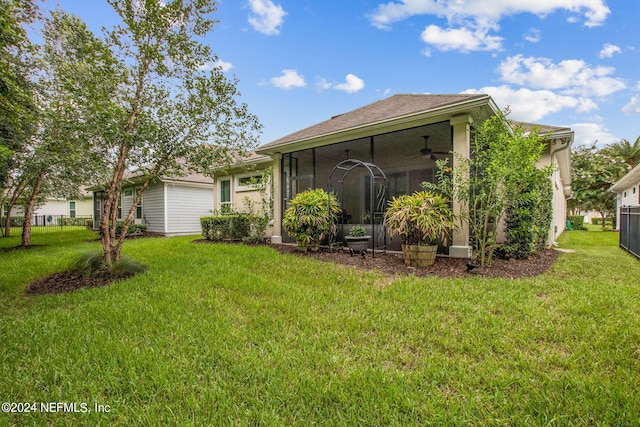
(171, 206)
(48, 212)
(627, 190)
(395, 140)
(240, 185)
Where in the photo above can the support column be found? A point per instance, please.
(461, 147)
(276, 176)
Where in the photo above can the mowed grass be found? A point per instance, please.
(236, 335)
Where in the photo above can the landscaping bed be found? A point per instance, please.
(392, 263)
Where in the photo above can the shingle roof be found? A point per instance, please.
(387, 109)
(543, 129)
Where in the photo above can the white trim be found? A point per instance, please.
(188, 184)
(218, 193)
(239, 187)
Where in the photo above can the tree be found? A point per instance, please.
(626, 151)
(159, 108)
(594, 171)
(58, 154)
(16, 90)
(503, 155)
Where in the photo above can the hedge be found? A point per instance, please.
(226, 227)
(73, 221)
(577, 222)
(133, 230)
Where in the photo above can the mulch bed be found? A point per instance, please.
(391, 263)
(67, 281)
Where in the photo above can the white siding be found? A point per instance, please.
(153, 208)
(127, 201)
(185, 206)
(630, 196)
(53, 207)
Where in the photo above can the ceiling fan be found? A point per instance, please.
(428, 152)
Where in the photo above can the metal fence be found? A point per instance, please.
(630, 229)
(48, 223)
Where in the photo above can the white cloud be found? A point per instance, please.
(608, 50)
(289, 79)
(220, 64)
(532, 105)
(633, 107)
(352, 84)
(462, 39)
(532, 36)
(571, 77)
(588, 133)
(322, 84)
(595, 12)
(267, 17)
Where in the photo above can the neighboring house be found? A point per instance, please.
(57, 208)
(171, 206)
(627, 190)
(400, 136)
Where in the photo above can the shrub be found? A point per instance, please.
(311, 215)
(528, 217)
(93, 265)
(15, 221)
(577, 222)
(227, 227)
(357, 231)
(66, 222)
(133, 230)
(421, 218)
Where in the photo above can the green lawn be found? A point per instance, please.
(234, 335)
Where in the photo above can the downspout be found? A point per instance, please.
(565, 145)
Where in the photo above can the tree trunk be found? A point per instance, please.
(14, 198)
(28, 214)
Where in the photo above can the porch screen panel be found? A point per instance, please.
(402, 158)
(351, 198)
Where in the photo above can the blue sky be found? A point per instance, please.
(559, 62)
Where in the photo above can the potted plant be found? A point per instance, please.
(357, 241)
(310, 216)
(422, 220)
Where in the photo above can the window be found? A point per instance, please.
(139, 206)
(72, 209)
(128, 192)
(248, 182)
(225, 195)
(120, 208)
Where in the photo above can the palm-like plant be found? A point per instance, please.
(421, 218)
(630, 153)
(310, 215)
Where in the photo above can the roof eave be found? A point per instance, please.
(626, 181)
(383, 126)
